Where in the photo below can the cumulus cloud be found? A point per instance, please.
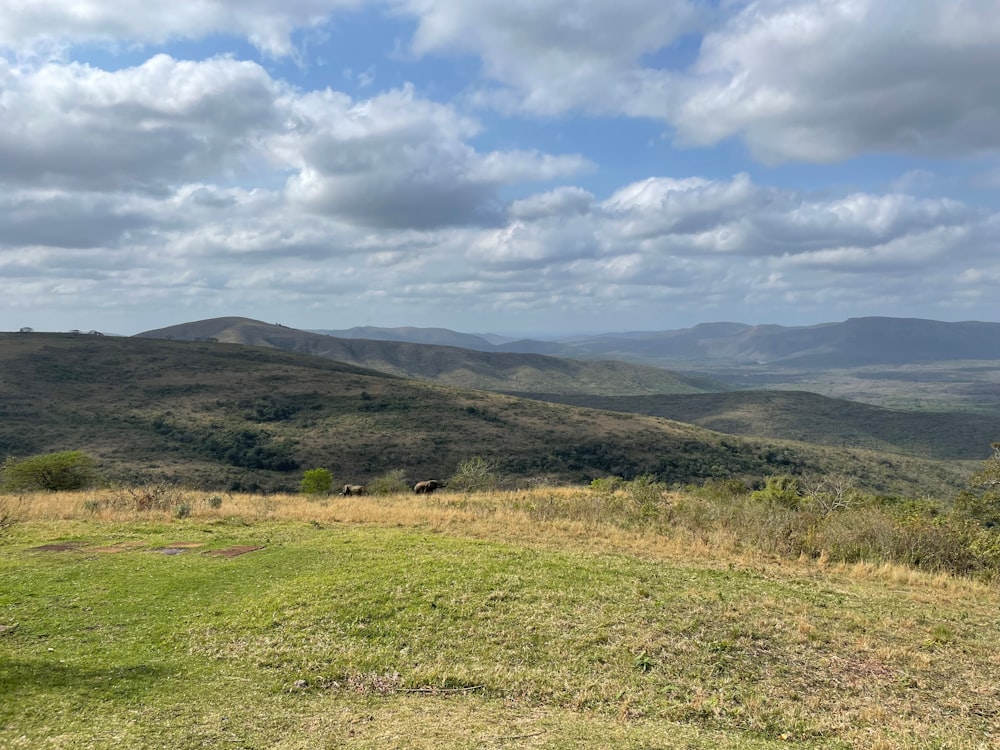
(827, 81)
(796, 79)
(217, 186)
(138, 128)
(397, 160)
(268, 25)
(551, 56)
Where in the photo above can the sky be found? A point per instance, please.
(520, 167)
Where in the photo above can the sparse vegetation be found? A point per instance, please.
(476, 474)
(390, 483)
(10, 514)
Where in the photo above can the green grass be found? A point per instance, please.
(338, 635)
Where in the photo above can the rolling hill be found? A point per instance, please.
(811, 418)
(856, 342)
(448, 365)
(241, 417)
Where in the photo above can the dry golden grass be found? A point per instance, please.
(556, 517)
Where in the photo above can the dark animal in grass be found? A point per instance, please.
(352, 489)
(427, 487)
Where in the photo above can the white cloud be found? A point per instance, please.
(25, 26)
(824, 81)
(552, 56)
(139, 128)
(397, 160)
(563, 201)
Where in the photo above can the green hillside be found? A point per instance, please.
(810, 418)
(231, 416)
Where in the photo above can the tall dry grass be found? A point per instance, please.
(648, 521)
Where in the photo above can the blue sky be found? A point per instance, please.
(510, 166)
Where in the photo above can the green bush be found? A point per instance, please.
(316, 482)
(782, 490)
(646, 495)
(53, 472)
(606, 485)
(391, 483)
(981, 501)
(476, 474)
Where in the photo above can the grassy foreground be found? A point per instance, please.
(457, 621)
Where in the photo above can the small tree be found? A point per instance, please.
(980, 502)
(52, 472)
(476, 474)
(317, 482)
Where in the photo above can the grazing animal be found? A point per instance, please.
(352, 489)
(427, 487)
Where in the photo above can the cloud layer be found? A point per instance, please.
(175, 188)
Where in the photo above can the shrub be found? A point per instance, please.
(52, 472)
(10, 515)
(782, 490)
(719, 489)
(215, 502)
(606, 485)
(316, 482)
(390, 483)
(183, 510)
(981, 501)
(476, 474)
(150, 497)
(646, 495)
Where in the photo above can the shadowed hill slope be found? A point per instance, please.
(464, 368)
(240, 417)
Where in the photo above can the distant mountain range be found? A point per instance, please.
(449, 365)
(852, 343)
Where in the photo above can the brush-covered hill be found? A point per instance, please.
(449, 365)
(234, 416)
(811, 418)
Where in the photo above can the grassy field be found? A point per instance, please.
(454, 621)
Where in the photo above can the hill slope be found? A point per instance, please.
(244, 417)
(811, 418)
(465, 368)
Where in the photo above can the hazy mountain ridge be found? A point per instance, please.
(412, 335)
(449, 365)
(854, 342)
